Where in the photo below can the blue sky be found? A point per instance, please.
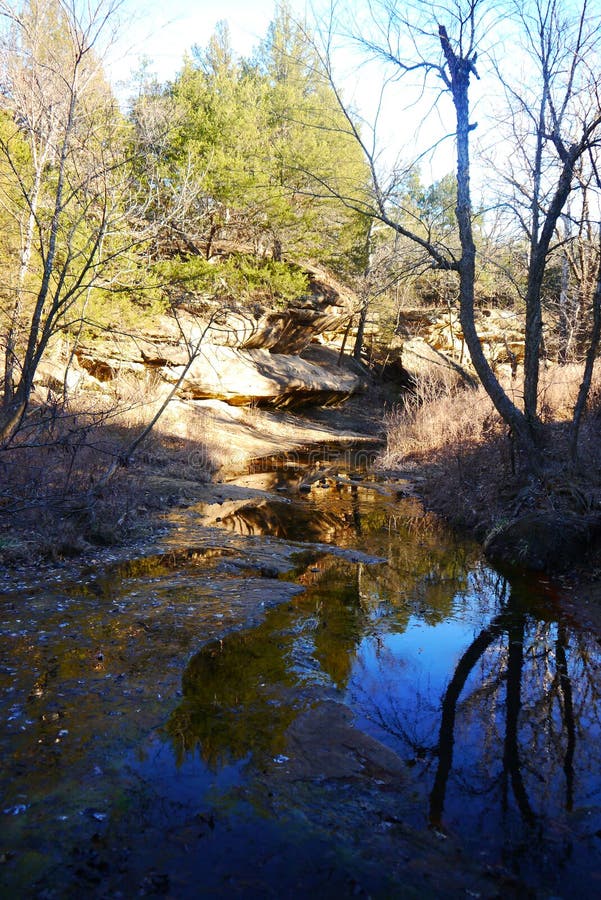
(163, 30)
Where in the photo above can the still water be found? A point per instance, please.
(326, 693)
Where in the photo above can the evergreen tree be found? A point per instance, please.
(243, 146)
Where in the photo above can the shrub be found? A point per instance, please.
(239, 277)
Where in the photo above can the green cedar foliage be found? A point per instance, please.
(240, 278)
(237, 152)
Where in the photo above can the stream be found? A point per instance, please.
(315, 691)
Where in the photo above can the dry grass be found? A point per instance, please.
(455, 441)
(430, 422)
(559, 391)
(440, 414)
(51, 504)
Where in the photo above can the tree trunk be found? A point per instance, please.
(12, 338)
(589, 365)
(565, 318)
(40, 329)
(358, 348)
(460, 69)
(536, 271)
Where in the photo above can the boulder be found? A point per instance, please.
(245, 376)
(55, 376)
(541, 541)
(419, 358)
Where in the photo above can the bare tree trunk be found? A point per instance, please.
(344, 340)
(10, 359)
(365, 293)
(536, 271)
(589, 365)
(358, 347)
(565, 329)
(460, 69)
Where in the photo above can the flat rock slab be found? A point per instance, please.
(243, 376)
(323, 740)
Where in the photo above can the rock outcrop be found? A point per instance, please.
(239, 355)
(430, 333)
(251, 354)
(241, 376)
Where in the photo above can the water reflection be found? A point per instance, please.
(242, 693)
(483, 696)
(502, 723)
(486, 694)
(335, 515)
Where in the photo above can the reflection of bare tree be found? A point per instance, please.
(513, 625)
(446, 736)
(511, 754)
(568, 713)
(516, 727)
(548, 685)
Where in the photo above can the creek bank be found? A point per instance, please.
(543, 541)
(559, 542)
(548, 528)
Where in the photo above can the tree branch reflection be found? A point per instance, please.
(530, 651)
(446, 735)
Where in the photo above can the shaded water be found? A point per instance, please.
(250, 712)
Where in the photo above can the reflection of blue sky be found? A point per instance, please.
(406, 673)
(434, 649)
(186, 779)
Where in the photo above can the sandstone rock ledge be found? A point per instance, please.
(241, 377)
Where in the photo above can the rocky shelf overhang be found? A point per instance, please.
(242, 376)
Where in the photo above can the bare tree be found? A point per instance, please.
(63, 169)
(591, 355)
(442, 49)
(554, 114)
(448, 53)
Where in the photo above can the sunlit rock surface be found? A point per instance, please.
(241, 376)
(239, 354)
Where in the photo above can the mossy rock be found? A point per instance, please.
(542, 541)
